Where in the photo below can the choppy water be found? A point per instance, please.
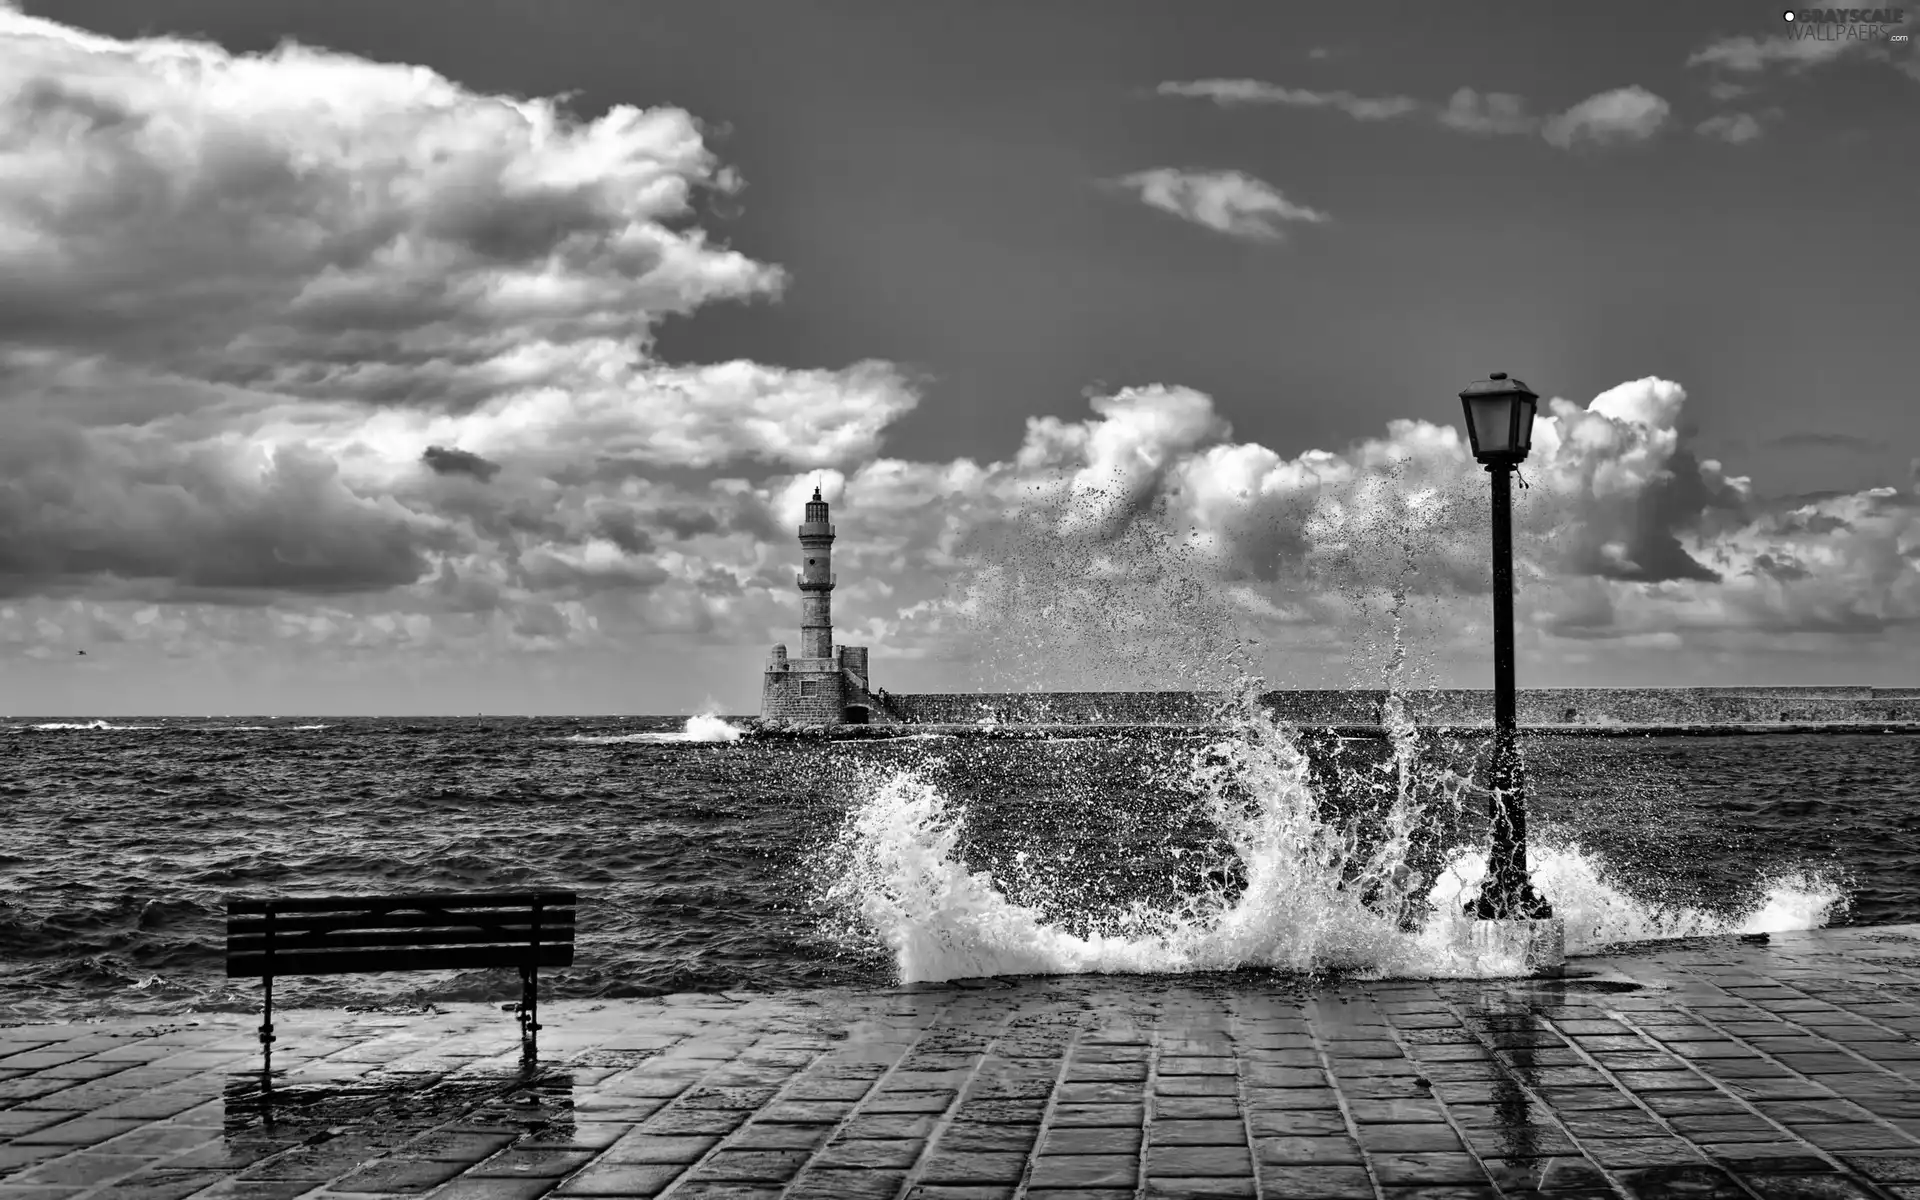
(710, 862)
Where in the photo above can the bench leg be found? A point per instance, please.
(529, 1014)
(266, 1051)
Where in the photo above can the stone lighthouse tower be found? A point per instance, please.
(816, 581)
(825, 684)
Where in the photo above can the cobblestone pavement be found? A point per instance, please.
(1787, 1071)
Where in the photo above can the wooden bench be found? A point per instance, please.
(350, 935)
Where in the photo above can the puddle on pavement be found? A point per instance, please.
(395, 1101)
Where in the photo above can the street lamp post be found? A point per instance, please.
(1499, 415)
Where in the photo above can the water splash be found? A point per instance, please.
(1306, 887)
(702, 727)
(904, 878)
(1598, 914)
(710, 727)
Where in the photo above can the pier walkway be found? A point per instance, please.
(1709, 1068)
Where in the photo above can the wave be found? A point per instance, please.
(1303, 891)
(709, 727)
(101, 725)
(702, 727)
(1598, 914)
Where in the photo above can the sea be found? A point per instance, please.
(708, 859)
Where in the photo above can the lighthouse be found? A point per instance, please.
(825, 684)
(816, 581)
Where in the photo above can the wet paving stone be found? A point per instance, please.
(1092, 1115)
(657, 1149)
(1315, 1183)
(1555, 1174)
(1407, 1138)
(910, 1102)
(1805, 1187)
(1198, 1188)
(1308, 1151)
(1683, 1180)
(1427, 1169)
(1630, 1153)
(969, 1166)
(1300, 1123)
(1106, 1140)
(1783, 1072)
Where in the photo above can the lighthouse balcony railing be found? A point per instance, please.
(816, 529)
(802, 580)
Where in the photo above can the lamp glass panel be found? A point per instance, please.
(1491, 422)
(1524, 430)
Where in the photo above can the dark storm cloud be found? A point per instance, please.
(686, 520)
(91, 505)
(621, 525)
(454, 590)
(1777, 568)
(451, 461)
(1674, 503)
(1815, 524)
(568, 577)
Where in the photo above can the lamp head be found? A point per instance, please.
(1499, 418)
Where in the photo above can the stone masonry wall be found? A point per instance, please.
(1459, 706)
(781, 699)
(1031, 708)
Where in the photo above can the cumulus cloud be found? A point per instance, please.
(1469, 111)
(325, 225)
(1623, 115)
(1629, 114)
(250, 297)
(1231, 92)
(1148, 526)
(1229, 202)
(1734, 128)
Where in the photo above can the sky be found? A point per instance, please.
(455, 357)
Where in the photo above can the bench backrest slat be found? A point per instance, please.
(427, 931)
(347, 939)
(354, 962)
(561, 921)
(292, 904)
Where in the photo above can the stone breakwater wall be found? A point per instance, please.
(1450, 706)
(1057, 708)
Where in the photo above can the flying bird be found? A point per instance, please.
(79, 651)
